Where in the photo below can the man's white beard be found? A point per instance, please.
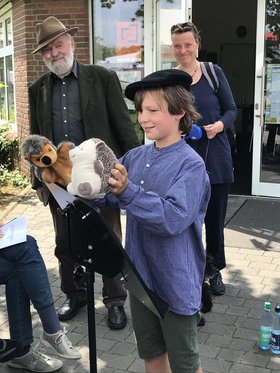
(64, 67)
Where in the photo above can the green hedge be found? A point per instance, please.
(9, 158)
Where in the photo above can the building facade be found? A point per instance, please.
(133, 38)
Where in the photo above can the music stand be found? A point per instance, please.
(95, 246)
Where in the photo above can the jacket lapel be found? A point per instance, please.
(46, 115)
(86, 84)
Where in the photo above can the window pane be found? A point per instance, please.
(119, 42)
(2, 91)
(6, 70)
(10, 88)
(8, 31)
(170, 14)
(1, 35)
(119, 36)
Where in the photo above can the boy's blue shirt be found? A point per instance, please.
(165, 202)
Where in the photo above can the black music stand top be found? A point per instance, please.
(95, 246)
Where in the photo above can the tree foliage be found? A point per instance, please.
(273, 16)
(109, 3)
(101, 51)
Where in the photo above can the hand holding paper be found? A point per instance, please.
(13, 232)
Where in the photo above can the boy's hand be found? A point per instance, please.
(118, 179)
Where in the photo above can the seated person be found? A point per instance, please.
(23, 271)
(8, 349)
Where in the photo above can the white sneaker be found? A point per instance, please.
(60, 344)
(35, 361)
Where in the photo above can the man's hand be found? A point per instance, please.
(39, 192)
(212, 129)
(119, 179)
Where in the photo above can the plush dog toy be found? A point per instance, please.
(92, 163)
(51, 164)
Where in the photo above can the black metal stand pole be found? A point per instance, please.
(91, 321)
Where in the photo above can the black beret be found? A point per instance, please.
(161, 78)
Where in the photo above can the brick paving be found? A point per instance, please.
(228, 341)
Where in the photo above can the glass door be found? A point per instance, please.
(118, 38)
(266, 147)
(118, 43)
(159, 16)
(167, 14)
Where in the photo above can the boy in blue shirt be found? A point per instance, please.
(164, 188)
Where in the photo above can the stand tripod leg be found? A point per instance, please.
(91, 321)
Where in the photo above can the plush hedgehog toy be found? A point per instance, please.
(92, 162)
(51, 164)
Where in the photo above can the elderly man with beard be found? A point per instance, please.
(74, 102)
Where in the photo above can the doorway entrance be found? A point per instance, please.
(230, 41)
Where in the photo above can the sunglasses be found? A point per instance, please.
(182, 27)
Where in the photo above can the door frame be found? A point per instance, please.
(152, 56)
(152, 23)
(153, 63)
(258, 187)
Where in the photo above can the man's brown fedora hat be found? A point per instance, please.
(50, 29)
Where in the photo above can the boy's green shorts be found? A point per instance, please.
(175, 334)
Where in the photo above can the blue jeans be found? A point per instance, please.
(23, 271)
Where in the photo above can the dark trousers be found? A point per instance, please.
(113, 292)
(214, 223)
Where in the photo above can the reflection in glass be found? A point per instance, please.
(118, 34)
(2, 91)
(118, 42)
(10, 88)
(270, 161)
(7, 109)
(1, 35)
(170, 13)
(8, 26)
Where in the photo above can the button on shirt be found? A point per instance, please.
(66, 109)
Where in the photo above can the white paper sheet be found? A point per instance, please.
(14, 232)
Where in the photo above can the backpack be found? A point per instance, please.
(209, 72)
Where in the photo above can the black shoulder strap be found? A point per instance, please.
(209, 72)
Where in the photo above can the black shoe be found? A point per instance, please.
(116, 317)
(9, 350)
(70, 308)
(216, 284)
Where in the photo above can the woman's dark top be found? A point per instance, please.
(213, 107)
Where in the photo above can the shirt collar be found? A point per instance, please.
(75, 69)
